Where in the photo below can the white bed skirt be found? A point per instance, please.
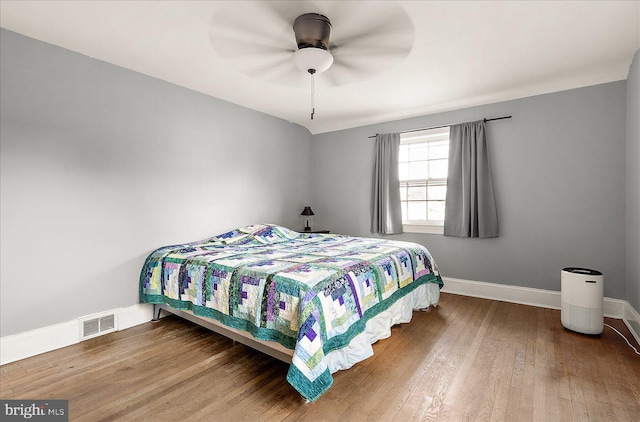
(379, 327)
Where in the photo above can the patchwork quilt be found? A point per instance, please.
(311, 293)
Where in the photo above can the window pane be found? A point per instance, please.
(418, 152)
(437, 192)
(404, 153)
(417, 193)
(403, 192)
(423, 168)
(438, 150)
(417, 210)
(436, 210)
(438, 168)
(403, 171)
(418, 170)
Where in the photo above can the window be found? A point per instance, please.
(423, 167)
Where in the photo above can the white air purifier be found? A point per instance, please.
(582, 300)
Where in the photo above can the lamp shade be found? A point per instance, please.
(307, 211)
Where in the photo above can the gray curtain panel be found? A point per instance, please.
(470, 210)
(386, 212)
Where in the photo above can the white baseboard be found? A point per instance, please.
(612, 308)
(503, 292)
(41, 340)
(134, 315)
(632, 320)
(46, 339)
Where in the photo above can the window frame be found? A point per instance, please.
(426, 136)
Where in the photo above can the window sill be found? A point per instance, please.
(422, 228)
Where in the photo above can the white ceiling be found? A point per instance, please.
(464, 53)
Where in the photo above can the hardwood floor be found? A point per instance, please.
(469, 359)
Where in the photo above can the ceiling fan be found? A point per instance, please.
(284, 42)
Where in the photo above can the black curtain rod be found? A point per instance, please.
(441, 126)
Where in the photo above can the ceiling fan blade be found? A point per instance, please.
(355, 66)
(240, 49)
(249, 27)
(338, 75)
(255, 62)
(363, 25)
(253, 38)
(368, 40)
(287, 75)
(402, 37)
(277, 69)
(237, 42)
(380, 53)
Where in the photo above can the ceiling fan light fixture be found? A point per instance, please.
(312, 58)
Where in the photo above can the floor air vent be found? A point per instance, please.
(97, 325)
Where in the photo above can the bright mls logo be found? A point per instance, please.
(35, 410)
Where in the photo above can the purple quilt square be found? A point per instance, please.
(311, 334)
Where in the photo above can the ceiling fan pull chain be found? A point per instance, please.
(313, 105)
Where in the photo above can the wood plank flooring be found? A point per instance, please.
(468, 359)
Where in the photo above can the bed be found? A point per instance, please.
(316, 301)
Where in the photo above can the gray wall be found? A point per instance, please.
(633, 183)
(559, 175)
(100, 165)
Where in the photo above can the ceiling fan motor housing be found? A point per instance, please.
(312, 30)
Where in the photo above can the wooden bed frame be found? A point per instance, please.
(270, 348)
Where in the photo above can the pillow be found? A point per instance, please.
(274, 234)
(252, 229)
(288, 233)
(234, 237)
(258, 234)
